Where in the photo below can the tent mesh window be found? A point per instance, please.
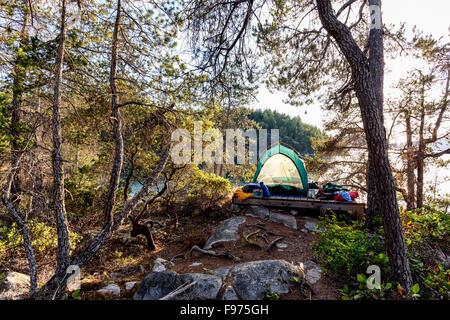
(279, 169)
(282, 171)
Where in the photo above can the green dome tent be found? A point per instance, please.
(282, 171)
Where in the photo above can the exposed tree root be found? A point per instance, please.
(250, 243)
(152, 223)
(303, 283)
(270, 233)
(273, 243)
(257, 225)
(263, 236)
(181, 256)
(223, 254)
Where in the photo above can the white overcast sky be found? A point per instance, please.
(431, 16)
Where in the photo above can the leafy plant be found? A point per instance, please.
(438, 280)
(76, 295)
(425, 224)
(206, 189)
(44, 239)
(380, 292)
(346, 250)
(209, 271)
(269, 295)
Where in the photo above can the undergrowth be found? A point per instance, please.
(346, 251)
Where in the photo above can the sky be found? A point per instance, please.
(431, 16)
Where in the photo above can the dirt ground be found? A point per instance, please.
(179, 241)
(125, 251)
(299, 249)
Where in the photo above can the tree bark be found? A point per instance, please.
(373, 200)
(410, 178)
(63, 251)
(117, 126)
(421, 150)
(375, 134)
(19, 218)
(16, 111)
(376, 68)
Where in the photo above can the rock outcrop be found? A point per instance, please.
(111, 289)
(158, 284)
(264, 213)
(246, 281)
(312, 226)
(225, 231)
(286, 219)
(14, 285)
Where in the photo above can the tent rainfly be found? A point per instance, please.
(283, 172)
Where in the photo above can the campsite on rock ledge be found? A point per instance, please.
(216, 151)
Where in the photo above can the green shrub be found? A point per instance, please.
(195, 191)
(438, 280)
(347, 250)
(429, 224)
(424, 229)
(44, 239)
(206, 189)
(381, 292)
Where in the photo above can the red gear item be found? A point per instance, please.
(338, 197)
(353, 194)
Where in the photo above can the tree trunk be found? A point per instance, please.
(410, 196)
(373, 201)
(375, 134)
(16, 110)
(421, 151)
(92, 248)
(376, 67)
(117, 126)
(19, 217)
(13, 189)
(63, 252)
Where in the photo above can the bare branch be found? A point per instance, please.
(179, 290)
